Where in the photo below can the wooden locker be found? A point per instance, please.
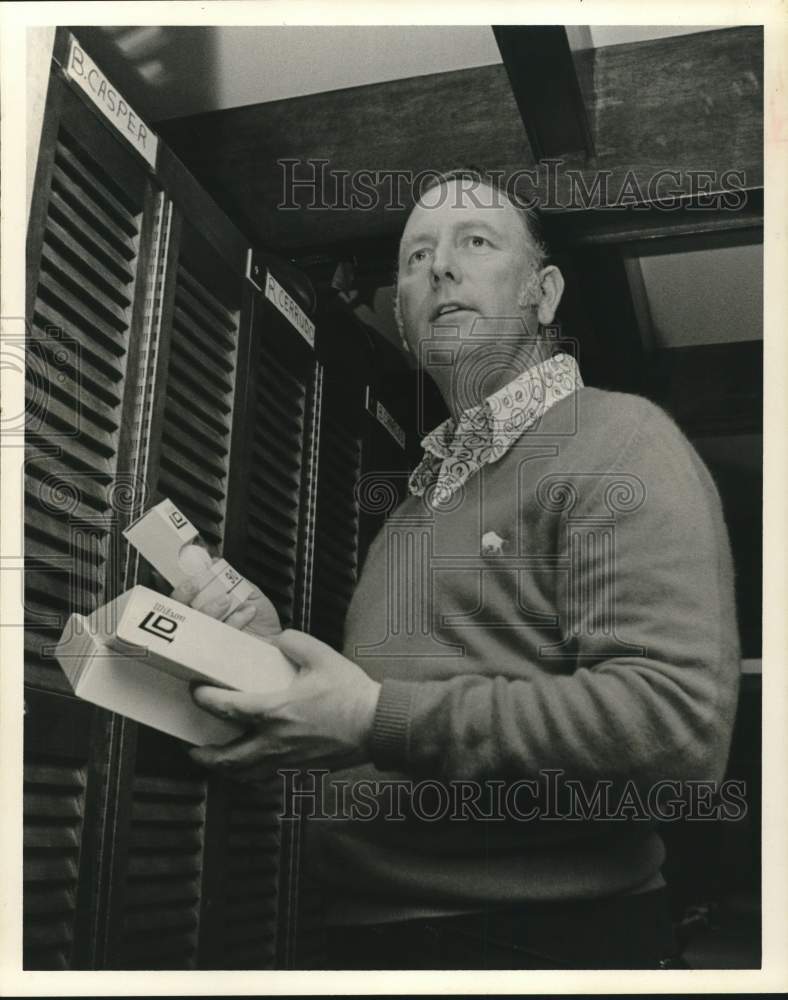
(360, 456)
(87, 257)
(276, 412)
(158, 902)
(162, 368)
(270, 521)
(222, 892)
(143, 311)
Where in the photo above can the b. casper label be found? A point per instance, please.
(89, 78)
(289, 309)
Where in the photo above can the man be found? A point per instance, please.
(559, 650)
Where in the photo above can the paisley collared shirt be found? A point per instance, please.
(454, 450)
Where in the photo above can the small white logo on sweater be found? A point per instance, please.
(492, 544)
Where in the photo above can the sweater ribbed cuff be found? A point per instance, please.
(391, 725)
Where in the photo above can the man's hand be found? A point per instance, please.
(257, 616)
(324, 717)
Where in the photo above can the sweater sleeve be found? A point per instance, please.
(662, 709)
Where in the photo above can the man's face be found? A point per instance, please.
(466, 257)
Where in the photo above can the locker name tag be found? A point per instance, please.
(385, 418)
(89, 78)
(289, 309)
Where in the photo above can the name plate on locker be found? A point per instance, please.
(88, 77)
(289, 309)
(384, 418)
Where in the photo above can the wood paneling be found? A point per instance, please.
(685, 103)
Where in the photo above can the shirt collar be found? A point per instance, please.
(484, 433)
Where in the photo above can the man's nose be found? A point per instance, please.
(445, 266)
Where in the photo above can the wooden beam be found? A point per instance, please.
(541, 70)
(723, 217)
(687, 103)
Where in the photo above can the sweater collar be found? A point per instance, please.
(484, 433)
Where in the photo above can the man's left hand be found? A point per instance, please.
(324, 717)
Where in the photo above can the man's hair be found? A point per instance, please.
(475, 177)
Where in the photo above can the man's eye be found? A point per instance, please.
(478, 242)
(418, 256)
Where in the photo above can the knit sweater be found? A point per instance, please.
(595, 641)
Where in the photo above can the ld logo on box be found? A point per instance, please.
(159, 625)
(178, 519)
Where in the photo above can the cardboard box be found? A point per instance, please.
(168, 540)
(138, 655)
(161, 535)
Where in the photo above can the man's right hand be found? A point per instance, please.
(257, 615)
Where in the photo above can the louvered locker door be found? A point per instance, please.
(364, 373)
(166, 907)
(91, 218)
(353, 443)
(199, 387)
(346, 351)
(58, 740)
(335, 560)
(270, 521)
(85, 258)
(155, 911)
(240, 914)
(275, 480)
(333, 556)
(270, 503)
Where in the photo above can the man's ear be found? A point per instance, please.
(551, 288)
